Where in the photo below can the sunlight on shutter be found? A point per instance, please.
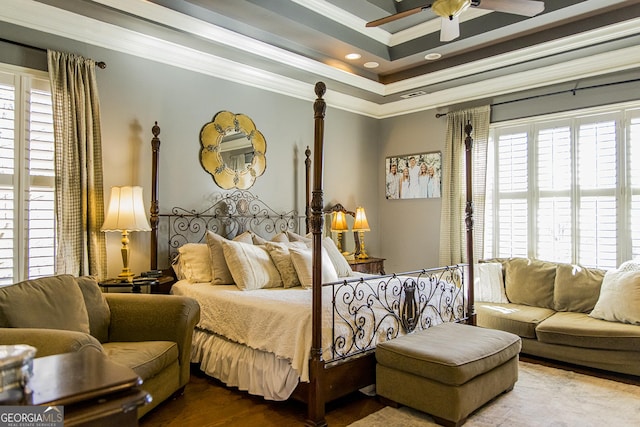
(634, 172)
(7, 135)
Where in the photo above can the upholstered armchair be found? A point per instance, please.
(150, 334)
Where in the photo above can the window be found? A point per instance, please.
(566, 188)
(27, 228)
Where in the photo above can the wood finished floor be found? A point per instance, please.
(208, 402)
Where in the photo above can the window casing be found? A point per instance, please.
(27, 176)
(566, 188)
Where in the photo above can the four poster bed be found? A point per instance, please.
(313, 342)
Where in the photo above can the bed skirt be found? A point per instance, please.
(254, 371)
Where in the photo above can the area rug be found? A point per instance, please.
(544, 397)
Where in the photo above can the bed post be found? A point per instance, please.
(155, 146)
(468, 142)
(307, 188)
(315, 402)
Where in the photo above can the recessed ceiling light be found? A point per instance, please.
(432, 56)
(371, 64)
(353, 56)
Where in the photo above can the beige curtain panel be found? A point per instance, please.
(452, 223)
(81, 248)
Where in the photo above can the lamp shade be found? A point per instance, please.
(126, 211)
(361, 223)
(449, 8)
(339, 222)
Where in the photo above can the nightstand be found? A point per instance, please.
(136, 288)
(164, 285)
(368, 265)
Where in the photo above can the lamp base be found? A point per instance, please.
(126, 276)
(363, 255)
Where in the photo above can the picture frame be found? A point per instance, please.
(416, 176)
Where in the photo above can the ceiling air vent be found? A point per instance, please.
(413, 94)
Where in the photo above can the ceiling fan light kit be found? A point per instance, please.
(450, 8)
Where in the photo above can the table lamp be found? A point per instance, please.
(361, 225)
(126, 213)
(338, 225)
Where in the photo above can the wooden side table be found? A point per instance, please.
(368, 265)
(93, 390)
(136, 288)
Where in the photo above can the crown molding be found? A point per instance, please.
(48, 19)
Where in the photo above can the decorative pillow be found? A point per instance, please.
(177, 268)
(250, 266)
(220, 274)
(576, 288)
(488, 283)
(301, 259)
(281, 237)
(619, 297)
(282, 259)
(293, 237)
(631, 265)
(54, 302)
(337, 259)
(97, 308)
(257, 240)
(195, 262)
(530, 282)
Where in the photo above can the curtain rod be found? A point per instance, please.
(100, 64)
(572, 91)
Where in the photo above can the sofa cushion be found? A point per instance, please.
(515, 318)
(97, 307)
(530, 282)
(619, 299)
(576, 288)
(54, 302)
(146, 358)
(580, 330)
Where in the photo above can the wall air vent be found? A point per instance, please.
(413, 94)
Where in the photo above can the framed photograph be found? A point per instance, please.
(413, 176)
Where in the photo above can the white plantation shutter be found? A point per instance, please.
(27, 229)
(567, 189)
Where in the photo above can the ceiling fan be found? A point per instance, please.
(449, 10)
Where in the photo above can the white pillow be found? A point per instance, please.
(488, 283)
(301, 259)
(282, 259)
(250, 265)
(631, 265)
(294, 237)
(337, 259)
(195, 263)
(619, 299)
(220, 274)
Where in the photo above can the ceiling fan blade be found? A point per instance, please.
(449, 29)
(396, 16)
(516, 7)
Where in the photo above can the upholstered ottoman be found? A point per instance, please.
(448, 370)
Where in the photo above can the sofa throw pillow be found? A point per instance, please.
(250, 266)
(97, 308)
(302, 259)
(576, 288)
(530, 282)
(488, 283)
(220, 274)
(54, 302)
(619, 299)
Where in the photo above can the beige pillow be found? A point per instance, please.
(97, 308)
(301, 259)
(54, 302)
(250, 266)
(576, 288)
(220, 274)
(530, 282)
(280, 238)
(488, 283)
(619, 299)
(293, 237)
(195, 262)
(339, 262)
(281, 257)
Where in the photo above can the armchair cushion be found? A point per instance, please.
(146, 358)
(54, 302)
(97, 308)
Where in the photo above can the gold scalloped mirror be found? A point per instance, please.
(233, 150)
